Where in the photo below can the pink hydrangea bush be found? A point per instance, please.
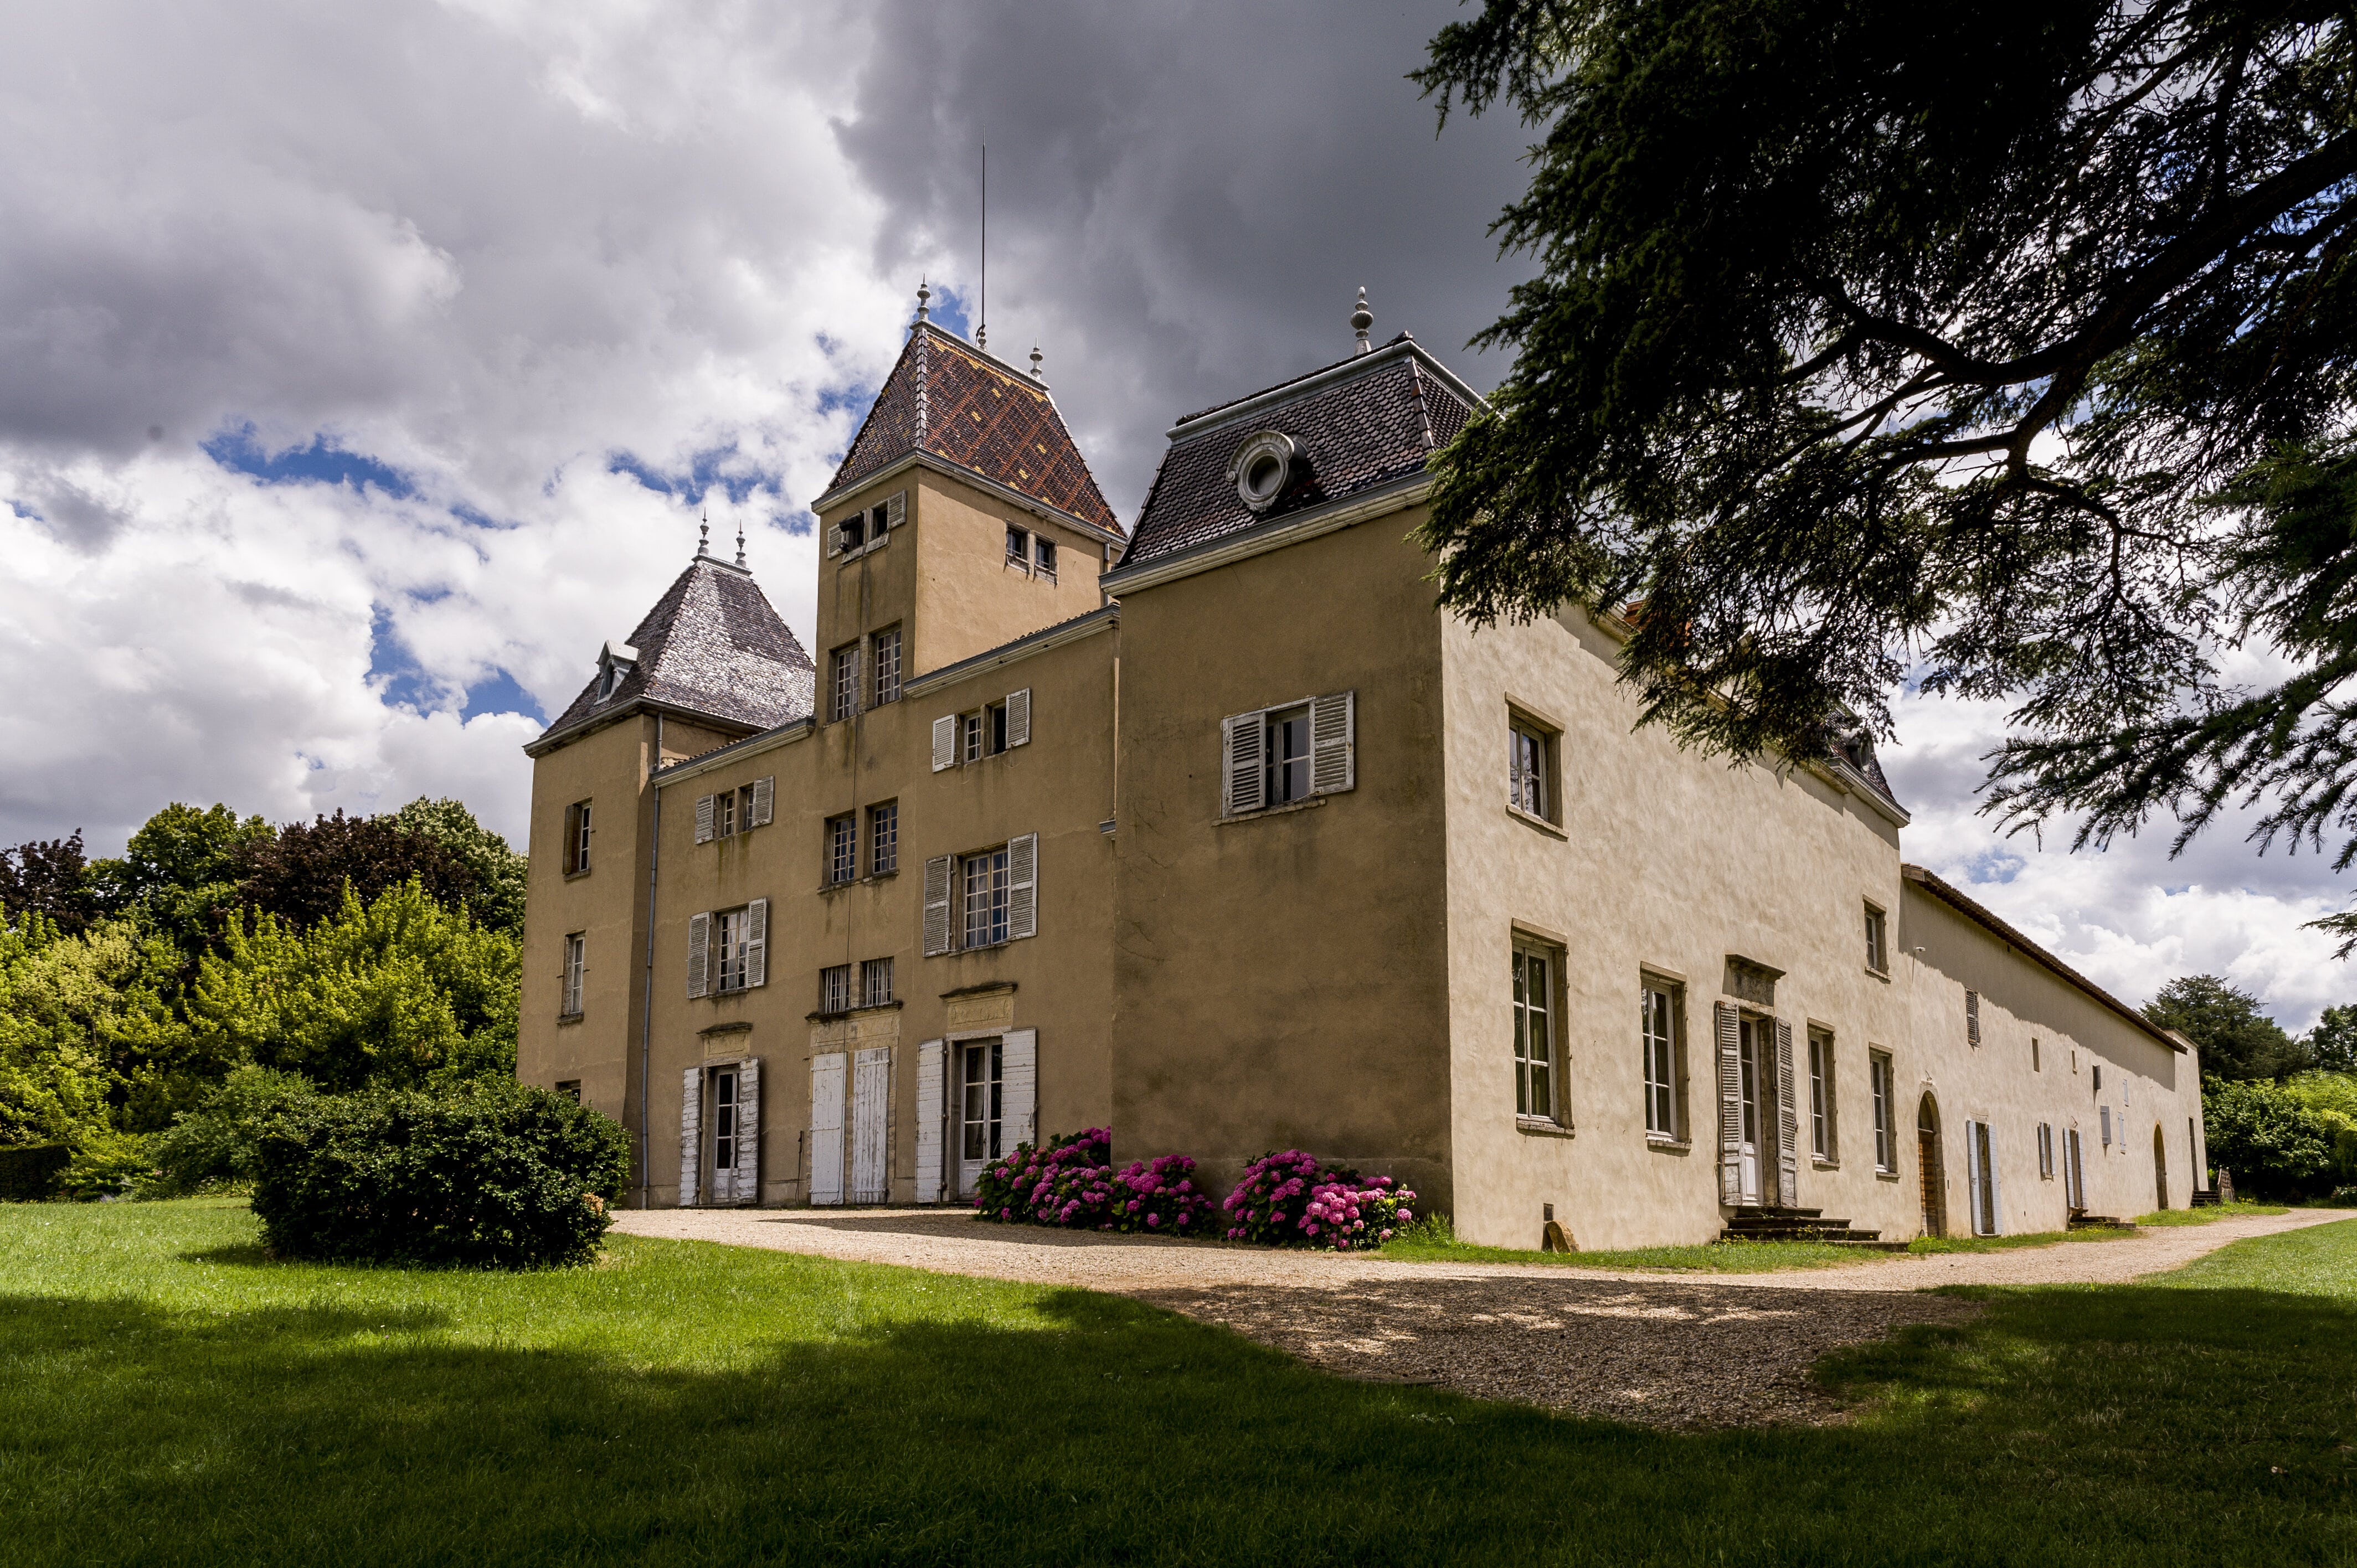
(1290, 1199)
(1070, 1183)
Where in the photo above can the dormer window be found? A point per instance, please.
(614, 667)
(1261, 469)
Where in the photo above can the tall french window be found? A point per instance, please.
(884, 838)
(1877, 950)
(1821, 1094)
(842, 849)
(875, 981)
(1533, 1033)
(986, 898)
(886, 648)
(1878, 1074)
(577, 959)
(1657, 1019)
(845, 699)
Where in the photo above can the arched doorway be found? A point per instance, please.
(2159, 1169)
(1934, 1174)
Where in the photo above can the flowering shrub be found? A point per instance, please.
(1290, 1198)
(1070, 1183)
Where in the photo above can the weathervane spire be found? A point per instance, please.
(704, 535)
(740, 539)
(1360, 319)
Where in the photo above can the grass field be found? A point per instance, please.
(168, 1395)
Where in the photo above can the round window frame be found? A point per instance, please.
(1265, 444)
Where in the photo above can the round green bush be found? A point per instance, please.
(490, 1173)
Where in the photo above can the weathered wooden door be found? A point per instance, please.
(826, 1127)
(871, 1112)
(1934, 1178)
(2160, 1170)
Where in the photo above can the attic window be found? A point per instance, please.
(614, 666)
(1262, 465)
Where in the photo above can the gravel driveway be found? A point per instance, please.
(1670, 1350)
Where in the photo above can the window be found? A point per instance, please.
(968, 737)
(576, 838)
(1972, 1017)
(727, 812)
(887, 646)
(2045, 1152)
(1527, 747)
(980, 1079)
(841, 850)
(2033, 1055)
(1877, 1073)
(835, 989)
(577, 960)
(2107, 1126)
(1018, 548)
(853, 531)
(728, 949)
(1821, 1142)
(1877, 950)
(845, 699)
(875, 981)
(571, 1088)
(1276, 756)
(974, 735)
(723, 1120)
(1534, 1032)
(723, 813)
(986, 898)
(2097, 1070)
(1045, 560)
(735, 948)
(884, 839)
(1657, 1020)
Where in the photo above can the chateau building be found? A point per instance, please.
(1215, 830)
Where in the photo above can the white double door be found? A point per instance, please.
(851, 1157)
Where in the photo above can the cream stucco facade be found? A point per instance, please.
(1215, 832)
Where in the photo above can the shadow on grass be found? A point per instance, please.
(2067, 1426)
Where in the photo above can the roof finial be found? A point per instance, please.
(704, 535)
(1360, 319)
(1035, 361)
(923, 314)
(740, 539)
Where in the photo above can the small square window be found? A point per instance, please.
(571, 1088)
(884, 838)
(1018, 548)
(1045, 560)
(1877, 949)
(1530, 768)
(875, 981)
(841, 850)
(835, 989)
(855, 530)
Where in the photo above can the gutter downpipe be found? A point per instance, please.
(647, 1022)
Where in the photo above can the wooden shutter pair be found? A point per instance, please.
(1728, 1022)
(1019, 729)
(1334, 751)
(756, 948)
(942, 934)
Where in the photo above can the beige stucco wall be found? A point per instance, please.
(2148, 1085)
(1058, 786)
(1665, 861)
(1278, 978)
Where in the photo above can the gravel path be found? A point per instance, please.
(1671, 1349)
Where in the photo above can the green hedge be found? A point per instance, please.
(31, 1172)
(492, 1174)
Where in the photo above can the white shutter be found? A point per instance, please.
(1730, 1104)
(1995, 1174)
(936, 905)
(929, 1122)
(826, 1128)
(1972, 1017)
(765, 796)
(1022, 879)
(1788, 1122)
(1972, 1176)
(757, 942)
(703, 818)
(1333, 747)
(1019, 1088)
(871, 1110)
(690, 1135)
(834, 538)
(945, 742)
(748, 1132)
(896, 508)
(1243, 788)
(1018, 717)
(699, 955)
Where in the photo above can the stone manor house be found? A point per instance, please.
(1214, 831)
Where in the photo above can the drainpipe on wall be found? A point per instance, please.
(646, 1021)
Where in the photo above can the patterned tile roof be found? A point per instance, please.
(952, 400)
(1358, 424)
(711, 645)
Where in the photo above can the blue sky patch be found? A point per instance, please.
(501, 694)
(405, 681)
(320, 463)
(704, 472)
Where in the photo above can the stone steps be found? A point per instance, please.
(1777, 1224)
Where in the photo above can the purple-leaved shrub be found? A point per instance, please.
(1290, 1199)
(1070, 1182)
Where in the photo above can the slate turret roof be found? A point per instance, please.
(1357, 424)
(712, 647)
(949, 398)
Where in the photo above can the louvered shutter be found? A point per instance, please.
(1972, 1017)
(1994, 1171)
(699, 955)
(945, 742)
(835, 540)
(895, 510)
(930, 1116)
(703, 818)
(826, 1128)
(571, 838)
(1973, 1175)
(936, 905)
(1333, 747)
(1018, 717)
(1728, 1024)
(1242, 786)
(1788, 1120)
(757, 942)
(747, 1173)
(765, 798)
(1022, 879)
(1019, 1088)
(691, 1135)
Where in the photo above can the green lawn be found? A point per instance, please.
(1431, 1244)
(168, 1396)
(2211, 1214)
